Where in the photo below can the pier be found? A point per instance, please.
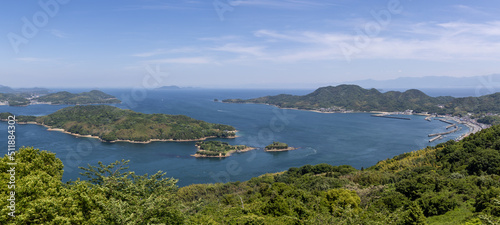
(436, 138)
(453, 125)
(391, 117)
(445, 121)
(445, 133)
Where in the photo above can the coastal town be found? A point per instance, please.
(471, 123)
(468, 120)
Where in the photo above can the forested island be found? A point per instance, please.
(452, 183)
(15, 99)
(218, 149)
(344, 98)
(278, 147)
(66, 98)
(112, 124)
(59, 98)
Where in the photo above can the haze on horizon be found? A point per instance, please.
(244, 44)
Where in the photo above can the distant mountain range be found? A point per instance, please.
(489, 81)
(353, 97)
(171, 87)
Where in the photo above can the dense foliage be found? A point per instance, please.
(492, 120)
(277, 145)
(19, 118)
(15, 99)
(64, 97)
(113, 196)
(452, 183)
(352, 97)
(92, 97)
(217, 148)
(111, 123)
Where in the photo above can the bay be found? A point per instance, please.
(355, 139)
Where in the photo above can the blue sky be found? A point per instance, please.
(243, 44)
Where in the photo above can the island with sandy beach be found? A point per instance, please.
(218, 149)
(278, 147)
(112, 124)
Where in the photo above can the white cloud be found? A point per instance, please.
(425, 41)
(221, 38)
(185, 60)
(166, 51)
(235, 48)
(470, 10)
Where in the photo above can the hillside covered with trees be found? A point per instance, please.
(67, 98)
(110, 123)
(59, 98)
(452, 183)
(352, 97)
(15, 99)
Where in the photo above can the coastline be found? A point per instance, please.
(220, 155)
(310, 110)
(49, 128)
(71, 104)
(473, 128)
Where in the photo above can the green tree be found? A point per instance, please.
(414, 215)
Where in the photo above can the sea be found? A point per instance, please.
(355, 139)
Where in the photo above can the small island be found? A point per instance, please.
(218, 149)
(278, 147)
(112, 124)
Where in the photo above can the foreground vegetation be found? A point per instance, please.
(352, 97)
(452, 183)
(113, 124)
(218, 149)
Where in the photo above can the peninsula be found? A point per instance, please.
(218, 149)
(59, 98)
(349, 98)
(278, 147)
(112, 124)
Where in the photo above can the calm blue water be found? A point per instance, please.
(354, 139)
